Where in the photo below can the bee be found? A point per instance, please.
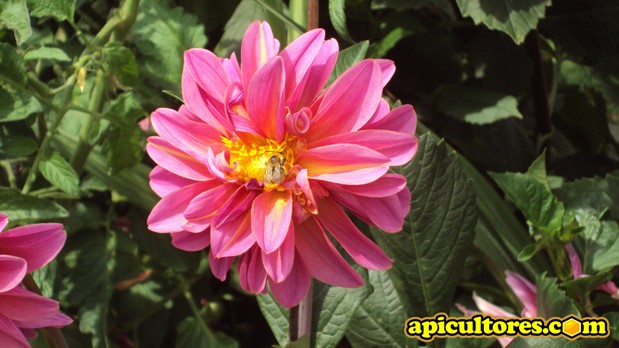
(275, 171)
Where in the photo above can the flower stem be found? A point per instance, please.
(300, 323)
(53, 335)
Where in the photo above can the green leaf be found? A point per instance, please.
(601, 246)
(11, 65)
(476, 106)
(245, 13)
(193, 333)
(60, 174)
(124, 142)
(338, 18)
(550, 300)
(60, 9)
(162, 35)
(14, 15)
(18, 146)
(349, 57)
(379, 319)
(46, 277)
(613, 318)
(585, 197)
(513, 17)
(553, 342)
(24, 207)
(389, 41)
(332, 310)
(16, 107)
(49, 53)
(531, 194)
(437, 234)
(120, 61)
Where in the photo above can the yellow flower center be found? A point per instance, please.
(269, 163)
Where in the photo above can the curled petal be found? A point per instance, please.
(238, 203)
(271, 215)
(38, 244)
(57, 320)
(294, 288)
(305, 187)
(344, 164)
(299, 122)
(322, 259)
(364, 251)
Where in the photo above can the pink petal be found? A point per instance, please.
(163, 182)
(4, 220)
(337, 113)
(208, 72)
(202, 105)
(610, 288)
(10, 335)
(232, 68)
(387, 68)
(490, 309)
(265, 99)
(194, 138)
(219, 266)
(294, 288)
(23, 305)
(299, 55)
(278, 264)
(238, 203)
(401, 119)
(232, 238)
(12, 272)
(363, 250)
(190, 241)
(344, 164)
(524, 290)
(305, 187)
(167, 215)
(176, 161)
(322, 259)
(58, 320)
(398, 147)
(574, 260)
(37, 244)
(252, 274)
(271, 215)
(203, 207)
(386, 185)
(257, 47)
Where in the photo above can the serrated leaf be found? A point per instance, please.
(349, 57)
(49, 53)
(550, 300)
(192, 333)
(24, 207)
(476, 106)
(18, 146)
(245, 13)
(332, 311)
(14, 15)
(16, 107)
(60, 173)
(338, 18)
(379, 319)
(531, 194)
(120, 61)
(162, 34)
(11, 65)
(513, 17)
(60, 9)
(437, 234)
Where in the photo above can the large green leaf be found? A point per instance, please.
(438, 233)
(18, 146)
(476, 106)
(120, 61)
(338, 18)
(60, 9)
(60, 173)
(552, 342)
(380, 318)
(332, 310)
(17, 106)
(531, 194)
(24, 207)
(11, 65)
(601, 246)
(513, 17)
(14, 15)
(162, 35)
(550, 300)
(49, 53)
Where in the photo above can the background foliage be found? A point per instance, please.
(495, 82)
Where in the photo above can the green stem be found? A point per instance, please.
(298, 13)
(286, 19)
(196, 313)
(9, 173)
(59, 114)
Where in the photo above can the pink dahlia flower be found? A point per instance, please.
(23, 250)
(260, 163)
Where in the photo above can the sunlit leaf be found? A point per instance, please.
(24, 207)
(49, 53)
(60, 173)
(14, 15)
(476, 106)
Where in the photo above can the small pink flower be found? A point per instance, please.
(609, 287)
(260, 162)
(23, 250)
